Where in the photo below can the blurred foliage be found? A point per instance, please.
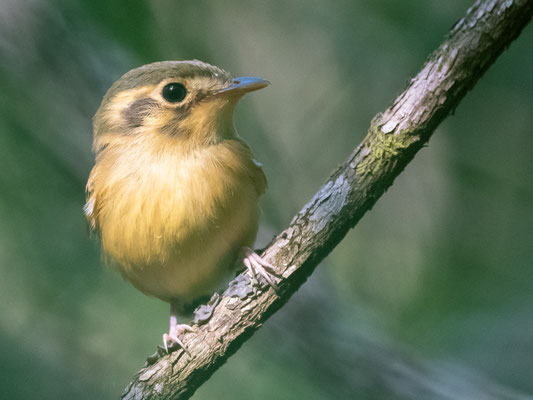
(429, 297)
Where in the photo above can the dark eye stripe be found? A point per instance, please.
(136, 112)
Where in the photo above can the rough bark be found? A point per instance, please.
(392, 141)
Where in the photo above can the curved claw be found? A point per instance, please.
(172, 336)
(167, 337)
(256, 265)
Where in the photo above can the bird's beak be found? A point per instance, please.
(244, 84)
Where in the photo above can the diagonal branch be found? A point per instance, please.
(392, 141)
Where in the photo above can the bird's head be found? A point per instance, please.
(189, 103)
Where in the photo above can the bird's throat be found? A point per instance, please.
(209, 122)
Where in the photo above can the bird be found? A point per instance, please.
(173, 194)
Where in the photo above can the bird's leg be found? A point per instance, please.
(175, 329)
(257, 265)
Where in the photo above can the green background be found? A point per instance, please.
(429, 297)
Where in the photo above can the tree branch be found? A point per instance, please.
(392, 141)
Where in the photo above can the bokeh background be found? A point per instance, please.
(429, 297)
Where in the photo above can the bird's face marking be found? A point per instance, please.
(149, 110)
(186, 100)
(147, 105)
(135, 113)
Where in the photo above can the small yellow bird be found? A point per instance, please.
(173, 194)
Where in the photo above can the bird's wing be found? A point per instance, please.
(258, 177)
(253, 167)
(88, 208)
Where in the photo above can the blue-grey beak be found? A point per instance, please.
(245, 84)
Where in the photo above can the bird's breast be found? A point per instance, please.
(174, 223)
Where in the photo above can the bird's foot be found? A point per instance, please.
(173, 336)
(258, 266)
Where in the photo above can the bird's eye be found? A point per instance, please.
(174, 92)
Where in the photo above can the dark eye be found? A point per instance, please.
(174, 92)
